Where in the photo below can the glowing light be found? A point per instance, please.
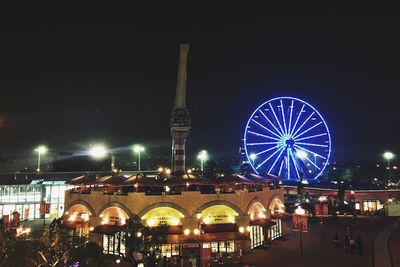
(138, 148)
(117, 261)
(241, 229)
(98, 151)
(186, 231)
(300, 211)
(151, 222)
(196, 231)
(248, 228)
(198, 215)
(167, 189)
(301, 154)
(91, 228)
(41, 150)
(168, 171)
(187, 184)
(388, 155)
(160, 169)
(136, 185)
(189, 171)
(72, 218)
(139, 234)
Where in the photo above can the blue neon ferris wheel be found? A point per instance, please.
(287, 137)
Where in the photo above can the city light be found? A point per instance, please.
(388, 156)
(301, 154)
(202, 156)
(138, 149)
(186, 231)
(300, 211)
(40, 150)
(98, 151)
(252, 157)
(196, 231)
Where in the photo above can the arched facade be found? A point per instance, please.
(257, 211)
(162, 216)
(113, 216)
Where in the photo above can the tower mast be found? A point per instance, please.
(180, 117)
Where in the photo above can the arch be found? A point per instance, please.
(219, 202)
(117, 205)
(82, 203)
(254, 200)
(275, 203)
(164, 204)
(163, 215)
(114, 215)
(257, 211)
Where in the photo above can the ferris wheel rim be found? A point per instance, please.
(329, 145)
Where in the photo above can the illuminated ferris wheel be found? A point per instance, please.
(287, 137)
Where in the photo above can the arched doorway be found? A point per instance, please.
(77, 218)
(113, 220)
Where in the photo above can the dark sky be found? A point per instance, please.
(70, 78)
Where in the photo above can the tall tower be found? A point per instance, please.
(180, 117)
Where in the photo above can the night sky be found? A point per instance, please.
(68, 78)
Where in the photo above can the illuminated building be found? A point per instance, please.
(223, 215)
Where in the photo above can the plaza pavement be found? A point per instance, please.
(319, 250)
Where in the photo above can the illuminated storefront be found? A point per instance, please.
(26, 198)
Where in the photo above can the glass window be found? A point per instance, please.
(214, 247)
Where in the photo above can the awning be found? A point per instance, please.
(210, 237)
(173, 229)
(217, 228)
(107, 229)
(73, 225)
(263, 223)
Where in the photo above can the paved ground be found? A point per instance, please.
(318, 245)
(394, 244)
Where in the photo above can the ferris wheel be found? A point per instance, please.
(287, 137)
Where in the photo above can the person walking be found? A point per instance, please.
(336, 240)
(360, 245)
(346, 242)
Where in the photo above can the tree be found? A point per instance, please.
(58, 246)
(143, 242)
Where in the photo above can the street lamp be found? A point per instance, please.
(99, 152)
(40, 150)
(202, 156)
(388, 156)
(138, 149)
(253, 157)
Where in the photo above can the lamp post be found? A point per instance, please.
(202, 156)
(388, 156)
(301, 213)
(138, 149)
(40, 150)
(99, 152)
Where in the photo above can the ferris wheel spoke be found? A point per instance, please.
(290, 116)
(283, 117)
(309, 160)
(263, 135)
(277, 120)
(309, 151)
(262, 143)
(311, 144)
(277, 158)
(297, 120)
(294, 163)
(265, 128)
(280, 169)
(266, 150)
(288, 164)
(270, 122)
(301, 126)
(309, 129)
(309, 137)
(273, 154)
